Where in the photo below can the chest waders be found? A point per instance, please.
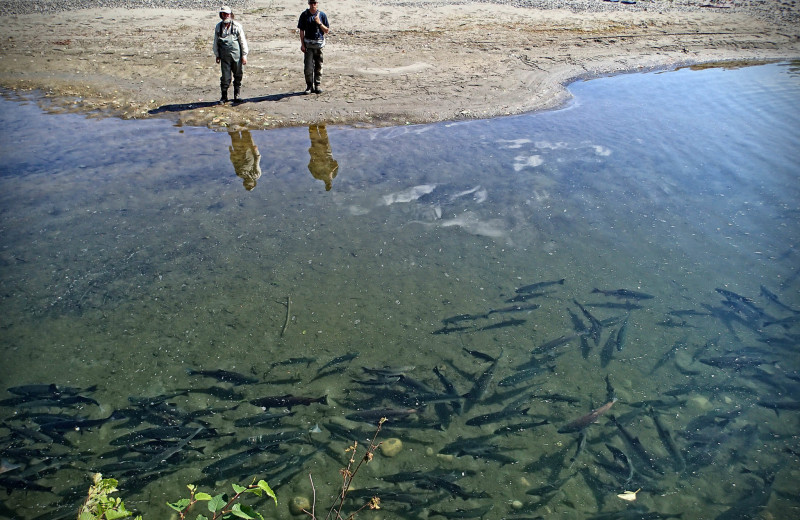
(230, 62)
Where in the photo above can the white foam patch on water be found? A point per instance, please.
(601, 150)
(408, 195)
(513, 143)
(547, 145)
(522, 161)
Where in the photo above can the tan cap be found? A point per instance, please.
(225, 9)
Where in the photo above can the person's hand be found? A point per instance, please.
(244, 60)
(303, 47)
(218, 60)
(316, 18)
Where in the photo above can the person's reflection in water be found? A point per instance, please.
(322, 164)
(246, 158)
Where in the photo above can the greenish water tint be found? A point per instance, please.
(132, 255)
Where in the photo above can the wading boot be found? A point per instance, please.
(236, 97)
(309, 89)
(317, 90)
(224, 98)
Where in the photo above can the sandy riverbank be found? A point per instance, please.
(386, 62)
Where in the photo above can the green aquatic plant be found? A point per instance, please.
(221, 506)
(99, 505)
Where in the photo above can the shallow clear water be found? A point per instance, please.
(132, 254)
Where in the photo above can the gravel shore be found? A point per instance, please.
(388, 62)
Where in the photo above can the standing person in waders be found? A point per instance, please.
(313, 25)
(230, 49)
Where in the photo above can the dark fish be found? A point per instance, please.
(338, 360)
(611, 394)
(288, 401)
(478, 354)
(679, 463)
(780, 405)
(553, 344)
(443, 409)
(596, 327)
(669, 354)
(607, 353)
(449, 330)
(784, 322)
(623, 460)
(622, 334)
(262, 418)
(49, 390)
(502, 324)
(490, 418)
(458, 318)
(478, 390)
(774, 299)
(525, 297)
(730, 295)
(538, 285)
(752, 503)
(62, 401)
(581, 444)
(515, 308)
(687, 312)
(434, 483)
(582, 422)
(388, 371)
(519, 427)
(628, 306)
(227, 394)
(475, 512)
(294, 361)
(223, 376)
(526, 374)
(556, 397)
(162, 433)
(624, 294)
(62, 425)
(635, 444)
(733, 360)
(375, 415)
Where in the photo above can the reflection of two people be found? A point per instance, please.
(246, 158)
(322, 165)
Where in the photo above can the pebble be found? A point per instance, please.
(391, 447)
(298, 504)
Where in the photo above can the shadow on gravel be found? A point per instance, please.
(182, 107)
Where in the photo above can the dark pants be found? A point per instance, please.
(230, 67)
(312, 66)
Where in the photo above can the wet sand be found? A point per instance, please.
(386, 63)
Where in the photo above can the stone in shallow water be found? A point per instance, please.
(391, 447)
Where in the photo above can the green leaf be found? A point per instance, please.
(216, 504)
(250, 511)
(87, 516)
(202, 496)
(237, 511)
(180, 505)
(237, 488)
(113, 514)
(262, 484)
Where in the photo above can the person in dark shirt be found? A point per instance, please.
(313, 25)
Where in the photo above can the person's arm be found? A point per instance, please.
(243, 45)
(302, 34)
(322, 21)
(215, 44)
